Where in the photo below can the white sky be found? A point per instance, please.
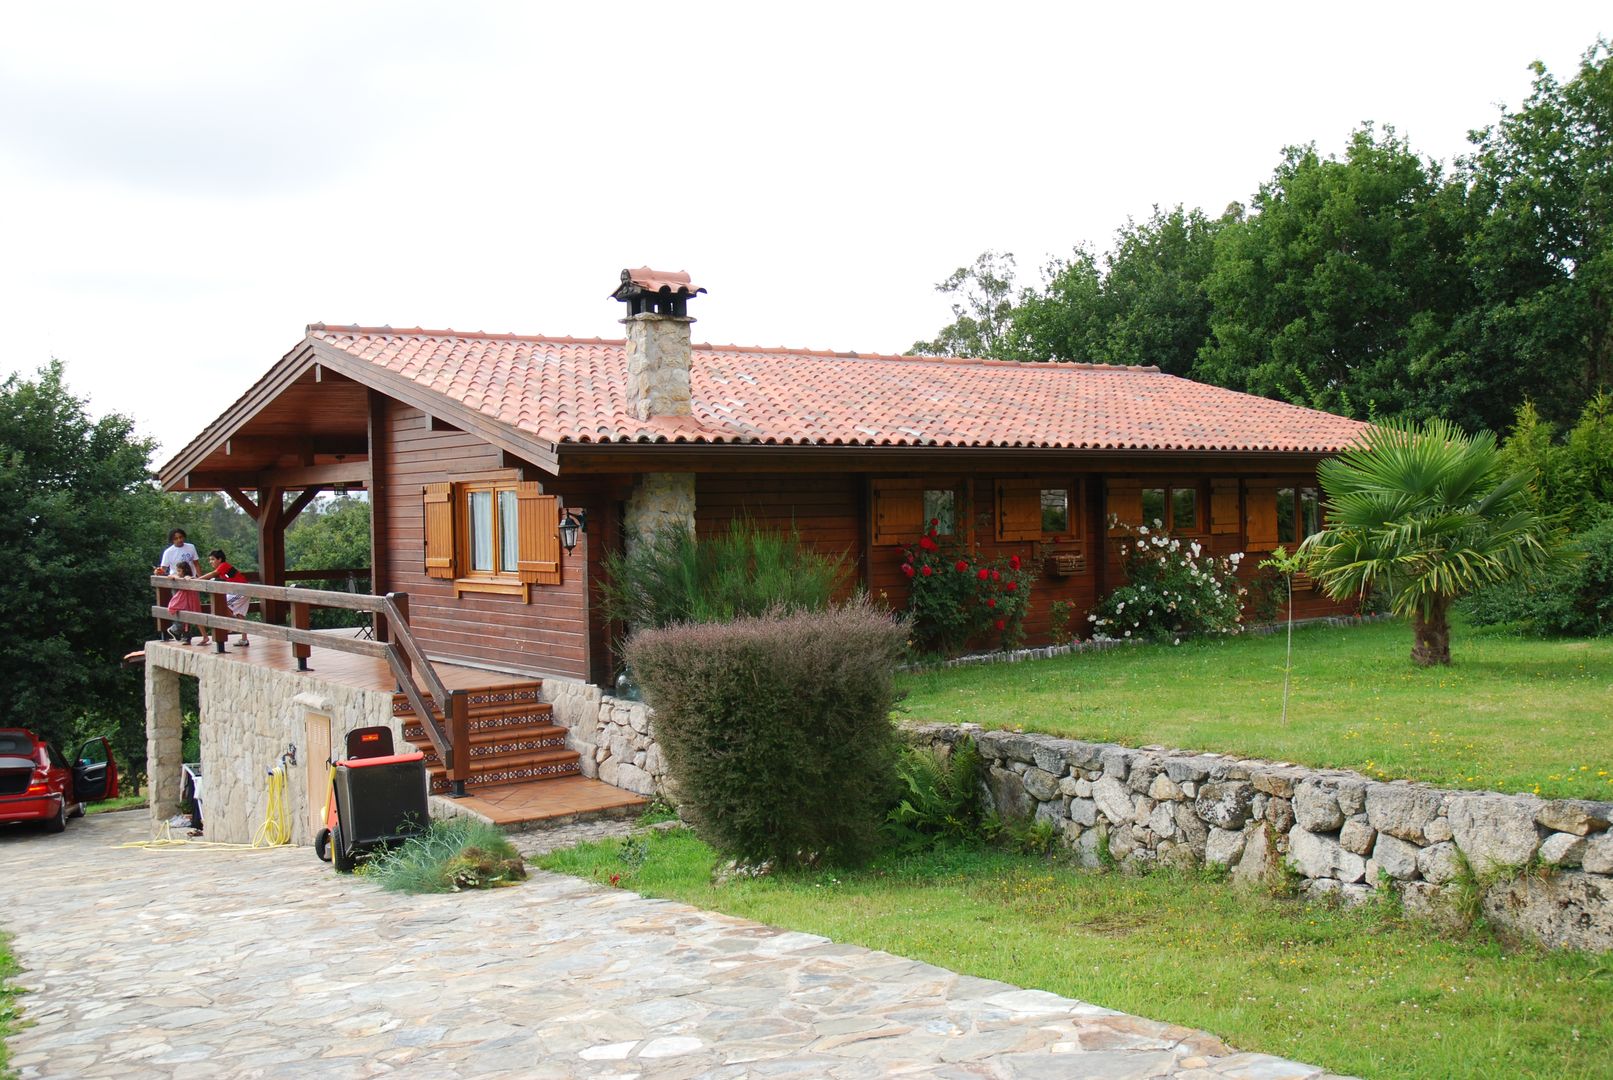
(185, 186)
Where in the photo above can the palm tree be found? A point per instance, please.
(1427, 514)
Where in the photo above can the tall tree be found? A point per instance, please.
(1337, 290)
(981, 311)
(1540, 246)
(1154, 283)
(1426, 514)
(81, 525)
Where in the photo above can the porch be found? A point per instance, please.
(521, 764)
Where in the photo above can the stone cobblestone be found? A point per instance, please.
(216, 962)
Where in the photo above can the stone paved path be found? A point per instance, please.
(207, 963)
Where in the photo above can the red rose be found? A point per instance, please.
(984, 574)
(907, 568)
(1013, 561)
(1001, 624)
(992, 602)
(962, 566)
(926, 543)
(995, 576)
(926, 571)
(1012, 586)
(935, 523)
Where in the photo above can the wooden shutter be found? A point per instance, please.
(538, 559)
(1224, 507)
(1124, 502)
(1019, 510)
(1260, 503)
(439, 522)
(898, 511)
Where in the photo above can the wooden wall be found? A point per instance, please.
(549, 635)
(826, 510)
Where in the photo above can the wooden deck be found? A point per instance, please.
(510, 806)
(346, 669)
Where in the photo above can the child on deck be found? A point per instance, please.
(223, 571)
(182, 602)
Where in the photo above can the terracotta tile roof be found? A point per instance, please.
(570, 390)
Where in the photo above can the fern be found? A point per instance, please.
(940, 800)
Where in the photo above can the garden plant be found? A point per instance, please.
(958, 596)
(1427, 514)
(1174, 589)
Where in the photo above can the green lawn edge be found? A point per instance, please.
(10, 1012)
(1512, 714)
(1360, 992)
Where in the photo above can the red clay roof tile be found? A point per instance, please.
(573, 390)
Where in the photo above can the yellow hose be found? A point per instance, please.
(275, 831)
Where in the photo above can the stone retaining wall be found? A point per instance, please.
(612, 735)
(249, 716)
(1340, 833)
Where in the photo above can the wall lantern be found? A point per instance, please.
(572, 523)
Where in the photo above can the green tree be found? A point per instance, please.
(1427, 514)
(981, 312)
(330, 534)
(1337, 290)
(211, 521)
(1154, 287)
(1539, 245)
(81, 525)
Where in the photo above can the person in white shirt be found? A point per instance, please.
(179, 551)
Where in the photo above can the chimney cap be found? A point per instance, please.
(664, 292)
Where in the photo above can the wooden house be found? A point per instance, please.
(474, 449)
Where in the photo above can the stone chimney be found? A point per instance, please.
(657, 340)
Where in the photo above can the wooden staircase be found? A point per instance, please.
(513, 739)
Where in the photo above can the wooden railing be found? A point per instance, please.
(402, 653)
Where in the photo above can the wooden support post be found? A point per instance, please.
(459, 734)
(272, 549)
(401, 599)
(220, 607)
(299, 620)
(380, 577)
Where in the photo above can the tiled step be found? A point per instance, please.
(498, 700)
(492, 742)
(512, 769)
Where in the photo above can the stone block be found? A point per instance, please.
(1048, 755)
(1357, 836)
(1223, 847)
(1040, 784)
(1280, 814)
(1567, 910)
(1397, 858)
(1562, 849)
(1494, 830)
(1188, 770)
(1008, 795)
(1190, 828)
(1113, 800)
(1164, 788)
(1083, 812)
(1052, 811)
(1403, 810)
(1259, 860)
(1578, 816)
(1316, 809)
(1116, 762)
(1598, 857)
(1322, 857)
(1141, 807)
(1276, 781)
(1225, 805)
(1439, 863)
(1162, 820)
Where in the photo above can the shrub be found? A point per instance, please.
(671, 578)
(1573, 601)
(940, 796)
(957, 595)
(454, 854)
(1061, 618)
(1173, 588)
(777, 730)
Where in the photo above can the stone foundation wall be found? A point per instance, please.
(249, 716)
(612, 735)
(1342, 834)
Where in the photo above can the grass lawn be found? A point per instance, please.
(1355, 991)
(1511, 714)
(8, 1004)
(122, 802)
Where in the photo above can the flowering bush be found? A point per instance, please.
(958, 595)
(1173, 588)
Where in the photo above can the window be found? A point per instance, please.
(1299, 514)
(941, 507)
(492, 529)
(1038, 509)
(1174, 509)
(901, 509)
(492, 536)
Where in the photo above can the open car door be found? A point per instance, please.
(95, 776)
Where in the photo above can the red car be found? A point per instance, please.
(37, 783)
